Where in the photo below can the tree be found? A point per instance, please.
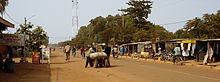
(37, 36)
(181, 34)
(25, 29)
(3, 4)
(139, 11)
(206, 27)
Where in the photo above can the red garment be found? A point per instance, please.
(82, 49)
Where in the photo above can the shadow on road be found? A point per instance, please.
(27, 72)
(63, 62)
(56, 56)
(113, 66)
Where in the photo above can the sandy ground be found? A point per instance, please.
(27, 73)
(126, 70)
(121, 70)
(74, 70)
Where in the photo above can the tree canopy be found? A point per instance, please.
(139, 11)
(207, 27)
(110, 30)
(134, 27)
(3, 4)
(37, 36)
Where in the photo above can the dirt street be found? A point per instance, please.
(121, 70)
(126, 70)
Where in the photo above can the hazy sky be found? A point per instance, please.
(55, 16)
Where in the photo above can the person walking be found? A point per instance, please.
(74, 51)
(82, 52)
(176, 53)
(67, 51)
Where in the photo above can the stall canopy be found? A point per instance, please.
(4, 24)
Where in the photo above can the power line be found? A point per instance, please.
(174, 22)
(12, 18)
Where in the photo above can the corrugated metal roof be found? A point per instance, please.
(6, 23)
(147, 42)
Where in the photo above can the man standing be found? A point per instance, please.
(159, 50)
(176, 53)
(107, 50)
(121, 51)
(115, 52)
(67, 51)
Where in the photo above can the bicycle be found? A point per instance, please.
(178, 59)
(167, 56)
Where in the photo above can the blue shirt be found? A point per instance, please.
(73, 49)
(177, 51)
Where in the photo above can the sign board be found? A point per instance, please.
(12, 39)
(189, 41)
(46, 54)
(36, 57)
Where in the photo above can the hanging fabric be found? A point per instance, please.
(209, 53)
(193, 49)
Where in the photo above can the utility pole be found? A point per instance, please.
(75, 18)
(123, 19)
(25, 19)
(24, 50)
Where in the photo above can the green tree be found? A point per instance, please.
(206, 27)
(25, 29)
(181, 34)
(3, 4)
(37, 36)
(139, 11)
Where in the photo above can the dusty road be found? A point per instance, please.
(126, 70)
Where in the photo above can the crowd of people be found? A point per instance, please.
(93, 48)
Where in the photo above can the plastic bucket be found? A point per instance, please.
(159, 58)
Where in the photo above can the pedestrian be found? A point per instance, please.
(82, 49)
(114, 52)
(54, 49)
(121, 51)
(153, 53)
(176, 53)
(126, 51)
(107, 50)
(159, 50)
(73, 51)
(67, 51)
(88, 59)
